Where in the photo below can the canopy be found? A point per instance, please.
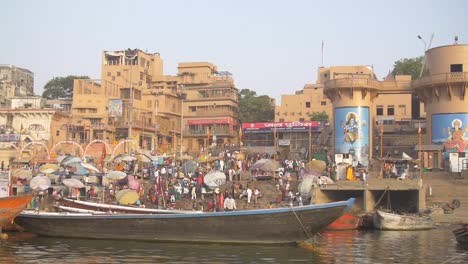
(116, 175)
(49, 168)
(127, 197)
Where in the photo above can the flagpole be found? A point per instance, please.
(311, 156)
(419, 151)
(322, 54)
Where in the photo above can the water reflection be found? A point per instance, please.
(434, 246)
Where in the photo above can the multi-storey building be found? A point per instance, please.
(15, 81)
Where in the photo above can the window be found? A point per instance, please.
(281, 119)
(118, 73)
(379, 110)
(193, 109)
(390, 110)
(92, 111)
(108, 74)
(402, 109)
(301, 119)
(57, 133)
(456, 67)
(307, 104)
(323, 103)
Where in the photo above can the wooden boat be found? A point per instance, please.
(10, 207)
(277, 225)
(347, 221)
(391, 221)
(70, 204)
(461, 234)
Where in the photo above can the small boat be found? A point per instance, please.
(347, 221)
(92, 206)
(10, 207)
(391, 221)
(276, 225)
(461, 234)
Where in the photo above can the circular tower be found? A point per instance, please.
(443, 89)
(352, 90)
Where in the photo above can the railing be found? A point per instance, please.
(441, 78)
(217, 132)
(353, 83)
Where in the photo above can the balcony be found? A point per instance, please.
(353, 83)
(441, 78)
(214, 131)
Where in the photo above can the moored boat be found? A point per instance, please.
(347, 221)
(461, 233)
(10, 207)
(92, 206)
(278, 225)
(391, 221)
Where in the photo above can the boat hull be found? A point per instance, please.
(279, 225)
(461, 234)
(390, 221)
(12, 206)
(346, 222)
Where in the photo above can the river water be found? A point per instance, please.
(433, 246)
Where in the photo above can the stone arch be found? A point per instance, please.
(123, 142)
(35, 143)
(69, 142)
(108, 148)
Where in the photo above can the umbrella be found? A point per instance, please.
(305, 185)
(204, 159)
(265, 165)
(49, 168)
(189, 167)
(128, 158)
(143, 158)
(132, 183)
(116, 175)
(40, 183)
(78, 169)
(89, 167)
(325, 179)
(186, 157)
(127, 197)
(20, 173)
(214, 179)
(73, 183)
(70, 160)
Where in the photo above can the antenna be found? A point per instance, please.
(426, 47)
(322, 54)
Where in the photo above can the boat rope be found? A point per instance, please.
(457, 256)
(300, 222)
(381, 197)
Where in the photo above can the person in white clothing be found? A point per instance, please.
(249, 194)
(230, 204)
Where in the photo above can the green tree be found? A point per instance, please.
(411, 66)
(60, 87)
(318, 116)
(255, 108)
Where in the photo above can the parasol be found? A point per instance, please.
(185, 157)
(116, 175)
(325, 179)
(305, 185)
(70, 160)
(89, 167)
(40, 183)
(143, 158)
(20, 173)
(73, 183)
(127, 197)
(128, 158)
(214, 179)
(265, 165)
(49, 168)
(132, 183)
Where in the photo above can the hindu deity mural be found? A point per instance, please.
(352, 133)
(451, 130)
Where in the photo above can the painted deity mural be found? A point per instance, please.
(451, 130)
(352, 133)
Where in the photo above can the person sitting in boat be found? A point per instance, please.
(230, 204)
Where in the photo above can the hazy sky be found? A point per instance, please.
(271, 47)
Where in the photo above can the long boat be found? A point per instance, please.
(276, 225)
(391, 221)
(10, 207)
(70, 204)
(461, 234)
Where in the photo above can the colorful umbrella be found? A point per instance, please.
(70, 160)
(265, 165)
(128, 158)
(127, 197)
(73, 183)
(49, 168)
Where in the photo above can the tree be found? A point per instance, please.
(255, 108)
(407, 66)
(318, 116)
(60, 87)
